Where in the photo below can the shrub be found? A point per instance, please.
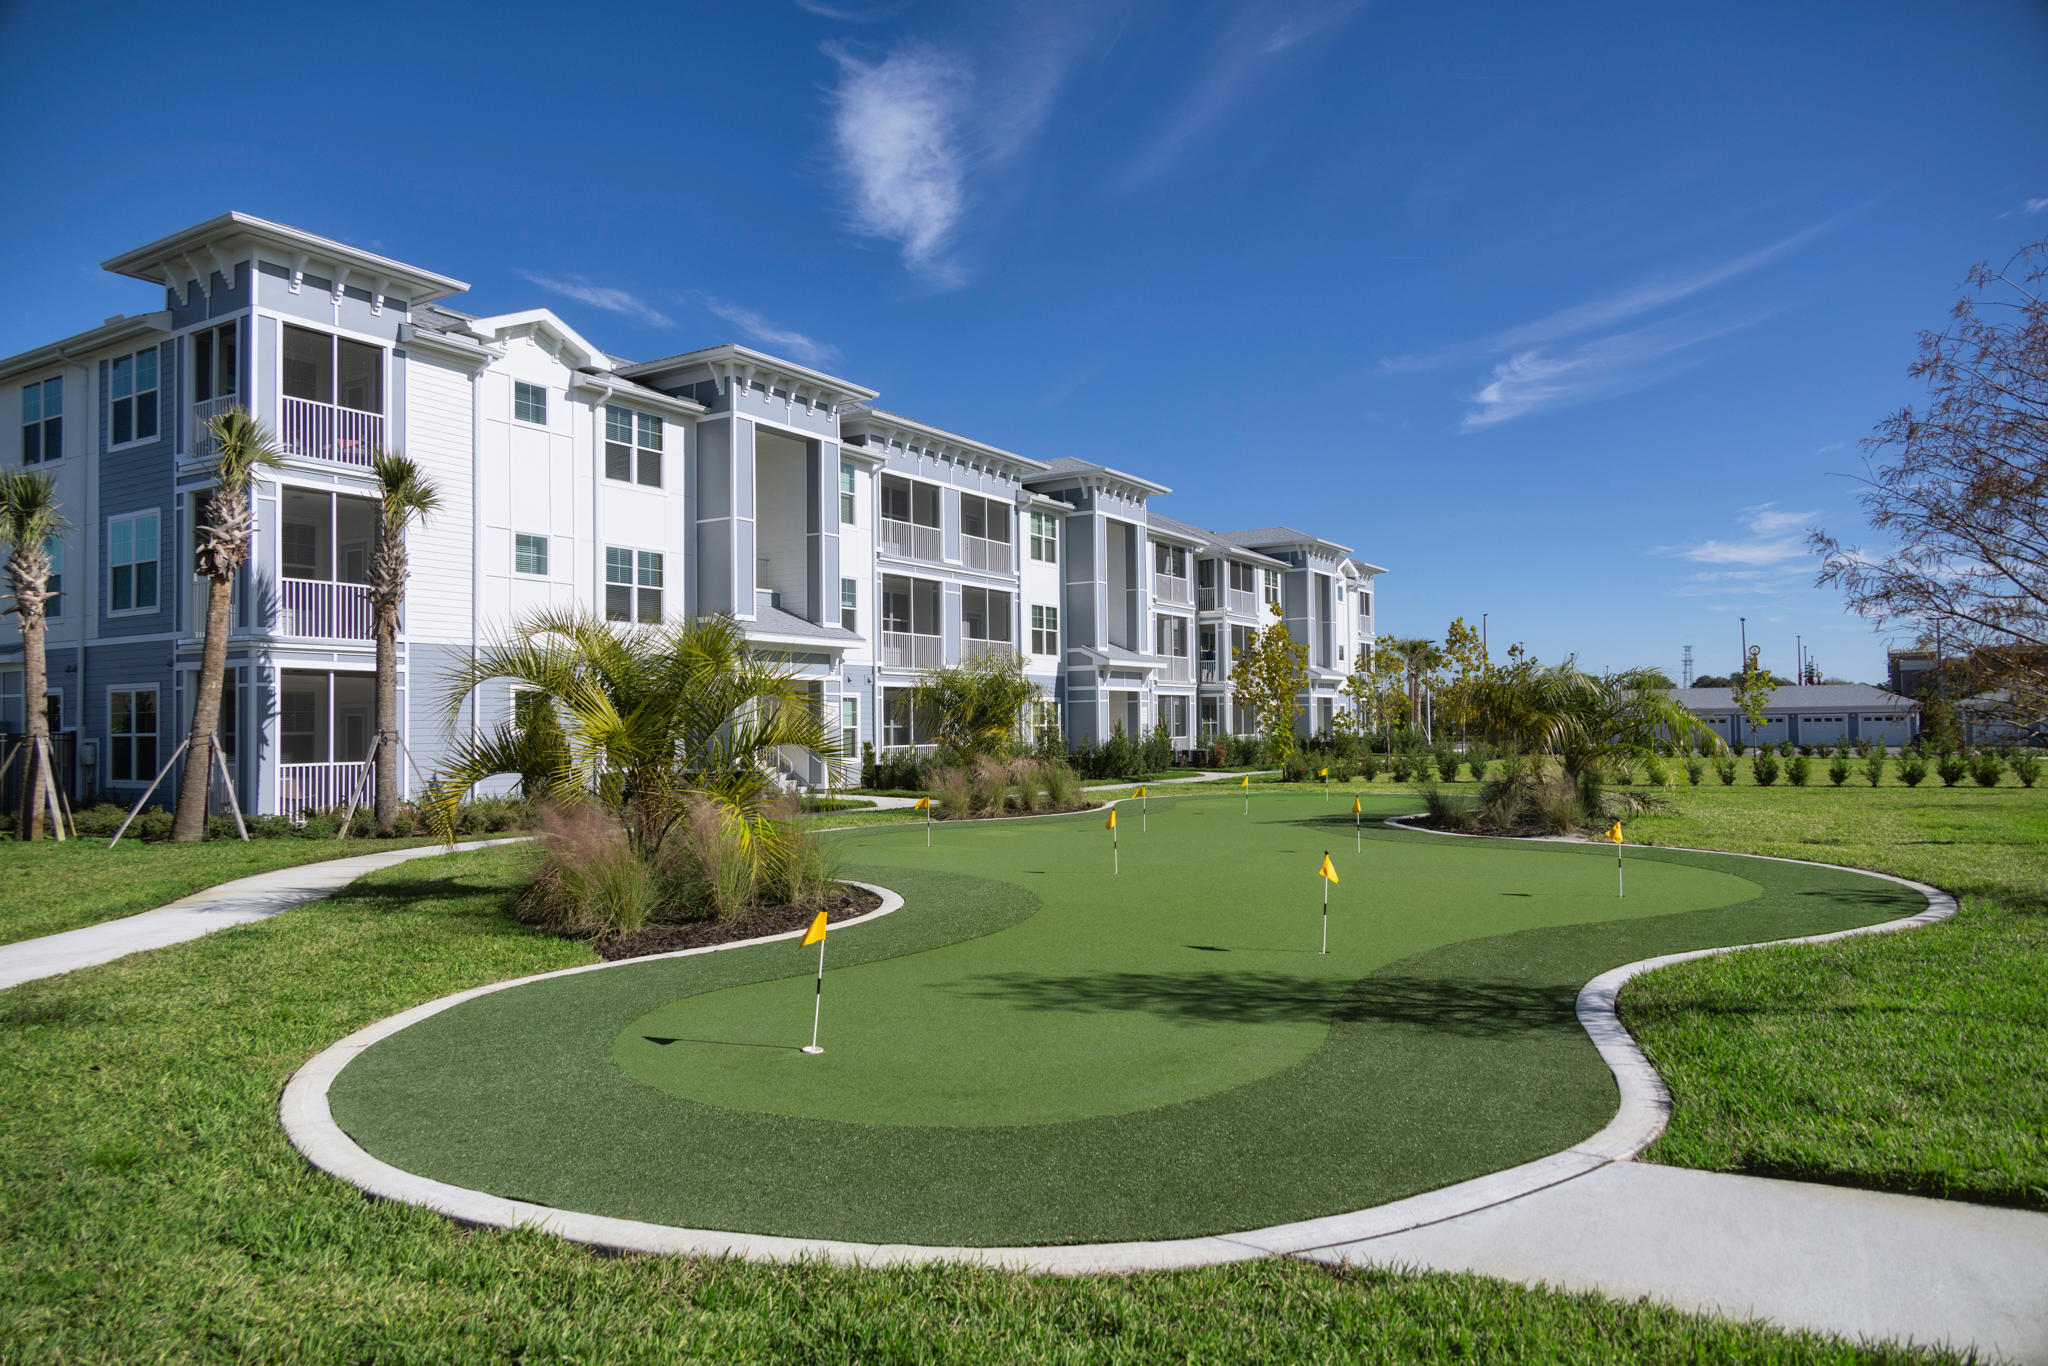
(1724, 769)
(1156, 754)
(1448, 762)
(2026, 768)
(1295, 769)
(1555, 802)
(1622, 771)
(1654, 770)
(1838, 769)
(1369, 766)
(1479, 764)
(591, 882)
(1695, 769)
(1987, 769)
(868, 773)
(1873, 769)
(1952, 768)
(1764, 768)
(951, 791)
(1445, 809)
(1912, 769)
(1343, 771)
(1798, 770)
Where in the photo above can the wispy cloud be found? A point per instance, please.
(1767, 546)
(788, 341)
(1253, 46)
(611, 300)
(896, 123)
(853, 14)
(1551, 376)
(2029, 207)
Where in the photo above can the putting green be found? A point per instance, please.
(1034, 1049)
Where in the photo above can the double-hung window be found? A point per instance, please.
(131, 735)
(529, 403)
(849, 605)
(131, 562)
(214, 364)
(845, 493)
(1272, 584)
(632, 585)
(54, 585)
(42, 421)
(134, 397)
(529, 554)
(1045, 630)
(632, 446)
(1045, 537)
(849, 726)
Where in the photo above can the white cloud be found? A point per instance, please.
(756, 328)
(896, 123)
(1765, 518)
(1246, 51)
(1767, 547)
(1547, 377)
(851, 14)
(2035, 205)
(600, 296)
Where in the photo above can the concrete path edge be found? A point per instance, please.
(1644, 1110)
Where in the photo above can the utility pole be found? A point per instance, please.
(1745, 640)
(1799, 657)
(1482, 634)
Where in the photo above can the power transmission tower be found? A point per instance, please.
(1687, 668)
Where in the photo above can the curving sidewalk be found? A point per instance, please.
(240, 902)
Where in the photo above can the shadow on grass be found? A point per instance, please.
(1466, 1006)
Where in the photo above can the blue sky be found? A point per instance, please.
(1571, 315)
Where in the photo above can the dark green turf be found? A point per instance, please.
(1438, 1043)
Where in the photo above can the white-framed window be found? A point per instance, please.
(1045, 630)
(1045, 537)
(632, 584)
(131, 562)
(849, 604)
(1340, 592)
(1365, 604)
(1340, 654)
(42, 421)
(1044, 717)
(131, 735)
(1272, 584)
(849, 726)
(54, 607)
(215, 367)
(530, 403)
(323, 368)
(133, 392)
(529, 554)
(632, 446)
(1170, 560)
(845, 493)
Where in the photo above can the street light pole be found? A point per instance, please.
(1482, 635)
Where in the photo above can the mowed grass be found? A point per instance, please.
(152, 1210)
(1908, 1062)
(47, 887)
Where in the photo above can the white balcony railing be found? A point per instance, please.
(912, 540)
(321, 431)
(1205, 599)
(316, 787)
(1212, 672)
(973, 648)
(320, 610)
(1167, 588)
(902, 650)
(977, 552)
(1242, 602)
(202, 445)
(1177, 669)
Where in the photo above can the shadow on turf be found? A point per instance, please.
(1457, 1005)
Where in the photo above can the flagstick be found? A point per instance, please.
(1620, 888)
(1115, 857)
(1144, 812)
(927, 827)
(1326, 907)
(1358, 831)
(818, 1005)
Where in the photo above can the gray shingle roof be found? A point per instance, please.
(1173, 526)
(1277, 535)
(1800, 697)
(775, 621)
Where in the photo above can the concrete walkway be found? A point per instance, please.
(247, 899)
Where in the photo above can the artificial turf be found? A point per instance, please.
(1034, 1050)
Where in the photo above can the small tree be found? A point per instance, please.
(1269, 677)
(1752, 691)
(404, 494)
(972, 708)
(227, 520)
(1464, 651)
(1377, 686)
(29, 521)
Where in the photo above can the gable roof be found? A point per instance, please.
(1800, 697)
(193, 252)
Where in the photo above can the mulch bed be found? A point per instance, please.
(937, 819)
(696, 934)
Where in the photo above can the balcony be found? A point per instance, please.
(975, 648)
(978, 552)
(912, 540)
(323, 431)
(902, 650)
(1212, 672)
(1242, 602)
(1176, 669)
(316, 787)
(1205, 599)
(202, 446)
(321, 610)
(1168, 588)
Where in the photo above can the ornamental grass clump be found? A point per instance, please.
(1446, 810)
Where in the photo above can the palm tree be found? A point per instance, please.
(643, 722)
(404, 495)
(1424, 658)
(972, 708)
(29, 519)
(1583, 718)
(227, 524)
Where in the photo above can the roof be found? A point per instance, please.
(112, 332)
(1800, 697)
(1068, 466)
(1280, 535)
(730, 361)
(163, 262)
(776, 624)
(1207, 539)
(884, 423)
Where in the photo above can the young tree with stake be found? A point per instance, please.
(29, 521)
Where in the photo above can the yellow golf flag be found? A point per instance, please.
(1141, 792)
(816, 933)
(1614, 832)
(1355, 807)
(1322, 773)
(1110, 824)
(923, 804)
(1245, 781)
(1327, 870)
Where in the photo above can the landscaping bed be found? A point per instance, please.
(696, 934)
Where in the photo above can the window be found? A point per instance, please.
(628, 573)
(1045, 630)
(631, 439)
(529, 554)
(1240, 577)
(1045, 537)
(897, 730)
(230, 713)
(529, 403)
(984, 615)
(1364, 596)
(53, 711)
(1272, 577)
(1045, 720)
(54, 607)
(1170, 560)
(214, 366)
(849, 726)
(849, 604)
(323, 368)
(131, 733)
(42, 421)
(134, 395)
(845, 493)
(131, 563)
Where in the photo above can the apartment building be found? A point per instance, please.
(861, 545)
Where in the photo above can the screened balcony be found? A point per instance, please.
(912, 634)
(324, 564)
(1170, 644)
(325, 723)
(1170, 574)
(985, 617)
(985, 534)
(910, 519)
(333, 402)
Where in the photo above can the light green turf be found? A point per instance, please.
(1462, 1057)
(1051, 1019)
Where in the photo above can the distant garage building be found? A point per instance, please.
(1817, 714)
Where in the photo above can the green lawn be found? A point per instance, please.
(1908, 1062)
(47, 888)
(151, 1208)
(1035, 1050)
